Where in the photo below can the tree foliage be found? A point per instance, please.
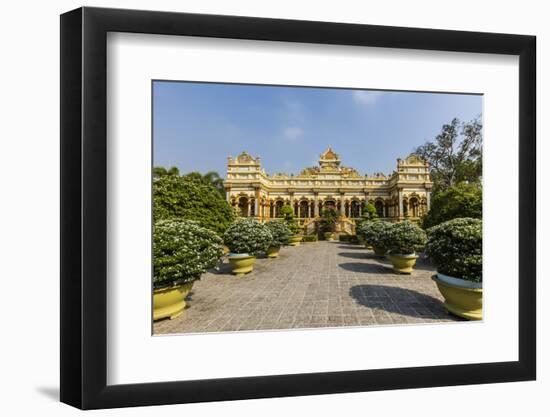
(455, 154)
(461, 200)
(455, 248)
(405, 238)
(182, 251)
(375, 233)
(247, 236)
(280, 232)
(161, 171)
(189, 198)
(212, 178)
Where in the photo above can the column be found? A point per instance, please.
(248, 207)
(428, 193)
(342, 206)
(309, 209)
(400, 207)
(360, 209)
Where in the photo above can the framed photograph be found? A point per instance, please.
(259, 208)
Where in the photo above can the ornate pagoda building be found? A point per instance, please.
(404, 194)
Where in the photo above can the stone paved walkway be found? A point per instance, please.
(322, 284)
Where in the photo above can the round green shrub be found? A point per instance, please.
(405, 238)
(455, 248)
(247, 236)
(182, 251)
(280, 233)
(375, 233)
(187, 198)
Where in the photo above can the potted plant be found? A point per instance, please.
(245, 238)
(375, 234)
(329, 217)
(404, 240)
(455, 249)
(280, 234)
(182, 251)
(287, 213)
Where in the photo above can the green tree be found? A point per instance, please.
(190, 198)
(455, 154)
(461, 200)
(212, 178)
(161, 171)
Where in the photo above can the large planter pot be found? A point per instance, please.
(462, 298)
(328, 236)
(379, 251)
(273, 252)
(295, 240)
(242, 263)
(369, 246)
(403, 264)
(169, 302)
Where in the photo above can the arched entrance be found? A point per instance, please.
(355, 209)
(278, 206)
(304, 209)
(414, 207)
(243, 206)
(379, 206)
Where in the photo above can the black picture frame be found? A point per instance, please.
(84, 207)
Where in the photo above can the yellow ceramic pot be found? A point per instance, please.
(242, 263)
(403, 264)
(379, 251)
(328, 235)
(462, 298)
(368, 246)
(169, 302)
(273, 252)
(295, 240)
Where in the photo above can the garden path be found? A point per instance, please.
(321, 284)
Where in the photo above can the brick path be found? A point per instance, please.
(322, 284)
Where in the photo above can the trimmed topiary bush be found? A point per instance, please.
(280, 233)
(187, 198)
(348, 238)
(287, 214)
(329, 216)
(309, 238)
(182, 251)
(247, 236)
(405, 238)
(455, 248)
(375, 233)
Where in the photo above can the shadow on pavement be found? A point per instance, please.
(399, 300)
(366, 268)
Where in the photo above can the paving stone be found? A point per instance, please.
(323, 284)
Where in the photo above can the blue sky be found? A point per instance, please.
(198, 125)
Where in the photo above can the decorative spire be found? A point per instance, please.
(329, 159)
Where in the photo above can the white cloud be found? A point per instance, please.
(292, 133)
(366, 98)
